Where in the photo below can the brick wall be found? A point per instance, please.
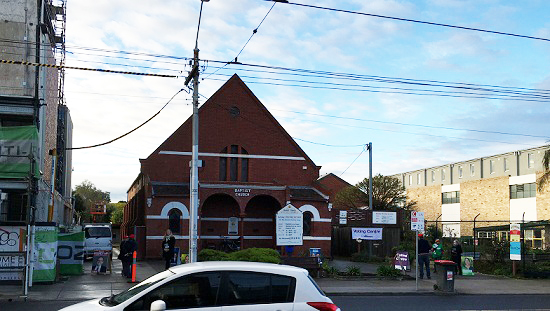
(428, 200)
(488, 197)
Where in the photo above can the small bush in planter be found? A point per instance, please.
(387, 271)
(256, 254)
(212, 255)
(353, 271)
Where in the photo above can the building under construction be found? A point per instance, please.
(35, 124)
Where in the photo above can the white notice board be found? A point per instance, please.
(389, 218)
(417, 221)
(289, 224)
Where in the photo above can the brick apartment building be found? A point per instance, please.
(251, 168)
(494, 188)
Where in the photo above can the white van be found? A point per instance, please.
(99, 237)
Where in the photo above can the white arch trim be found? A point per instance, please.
(312, 210)
(169, 206)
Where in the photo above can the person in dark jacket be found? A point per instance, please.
(456, 254)
(127, 249)
(423, 259)
(168, 244)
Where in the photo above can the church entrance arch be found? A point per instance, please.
(216, 213)
(259, 227)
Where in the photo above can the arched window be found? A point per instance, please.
(231, 172)
(174, 218)
(308, 218)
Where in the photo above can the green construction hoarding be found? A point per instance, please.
(70, 251)
(17, 143)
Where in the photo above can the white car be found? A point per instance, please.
(217, 286)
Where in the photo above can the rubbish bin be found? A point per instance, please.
(446, 279)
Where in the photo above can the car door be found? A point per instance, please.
(255, 291)
(198, 291)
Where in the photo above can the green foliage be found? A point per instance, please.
(116, 210)
(212, 255)
(387, 193)
(328, 269)
(249, 254)
(86, 194)
(353, 271)
(387, 271)
(257, 255)
(544, 179)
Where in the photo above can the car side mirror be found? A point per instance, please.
(158, 305)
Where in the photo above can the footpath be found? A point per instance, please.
(89, 286)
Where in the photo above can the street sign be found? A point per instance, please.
(417, 221)
(343, 217)
(366, 233)
(515, 242)
(289, 224)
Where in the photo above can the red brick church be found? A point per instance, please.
(251, 168)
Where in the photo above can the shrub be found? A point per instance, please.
(212, 255)
(353, 271)
(387, 271)
(257, 255)
(328, 269)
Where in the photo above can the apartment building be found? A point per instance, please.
(495, 190)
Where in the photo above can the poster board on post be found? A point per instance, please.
(417, 221)
(101, 262)
(515, 242)
(289, 226)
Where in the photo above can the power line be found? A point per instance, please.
(410, 124)
(388, 92)
(405, 132)
(15, 62)
(252, 35)
(365, 148)
(414, 21)
(501, 96)
(128, 133)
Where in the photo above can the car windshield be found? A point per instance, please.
(98, 232)
(120, 298)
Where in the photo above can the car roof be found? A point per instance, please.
(239, 266)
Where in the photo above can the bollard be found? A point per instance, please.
(134, 267)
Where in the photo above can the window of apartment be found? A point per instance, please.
(418, 179)
(450, 197)
(472, 169)
(442, 174)
(174, 223)
(460, 171)
(229, 166)
(14, 208)
(506, 165)
(307, 227)
(530, 160)
(523, 191)
(410, 179)
(433, 176)
(492, 166)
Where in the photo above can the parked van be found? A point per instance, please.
(99, 237)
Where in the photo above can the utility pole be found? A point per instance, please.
(370, 190)
(194, 189)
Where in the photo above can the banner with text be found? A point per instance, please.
(70, 251)
(45, 254)
(366, 233)
(17, 143)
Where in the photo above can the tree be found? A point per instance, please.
(544, 180)
(86, 194)
(388, 193)
(117, 211)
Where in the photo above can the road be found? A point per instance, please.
(455, 302)
(356, 303)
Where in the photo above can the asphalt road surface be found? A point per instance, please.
(454, 302)
(393, 303)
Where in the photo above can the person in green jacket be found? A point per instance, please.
(437, 252)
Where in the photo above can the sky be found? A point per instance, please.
(398, 84)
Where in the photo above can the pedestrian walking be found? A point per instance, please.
(437, 252)
(127, 249)
(456, 254)
(423, 259)
(168, 244)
